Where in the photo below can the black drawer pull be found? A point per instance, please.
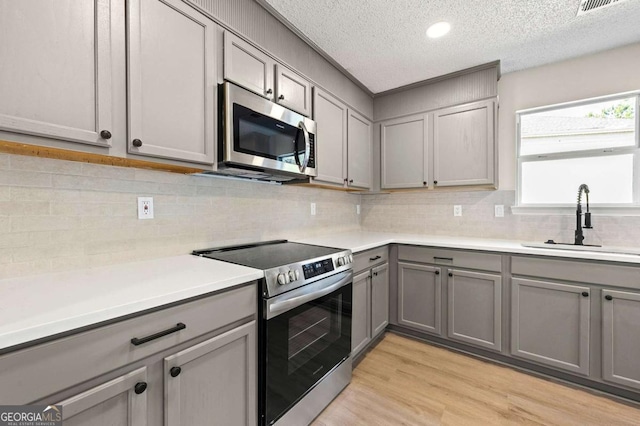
(608, 297)
(585, 294)
(175, 371)
(450, 274)
(371, 259)
(437, 272)
(179, 326)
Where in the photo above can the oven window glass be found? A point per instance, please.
(302, 345)
(263, 136)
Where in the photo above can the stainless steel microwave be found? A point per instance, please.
(263, 140)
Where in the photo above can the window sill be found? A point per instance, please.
(571, 210)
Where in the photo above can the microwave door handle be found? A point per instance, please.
(307, 147)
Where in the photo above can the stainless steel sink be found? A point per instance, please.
(597, 249)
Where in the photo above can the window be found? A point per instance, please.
(595, 141)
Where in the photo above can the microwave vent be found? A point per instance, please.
(587, 6)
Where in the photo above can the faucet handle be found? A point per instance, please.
(587, 220)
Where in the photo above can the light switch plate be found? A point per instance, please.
(499, 210)
(457, 210)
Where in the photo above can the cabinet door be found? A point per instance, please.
(213, 381)
(293, 91)
(464, 145)
(475, 307)
(620, 338)
(359, 150)
(404, 153)
(55, 78)
(119, 402)
(419, 297)
(361, 312)
(172, 84)
(550, 324)
(247, 66)
(330, 116)
(379, 299)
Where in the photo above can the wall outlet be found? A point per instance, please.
(145, 207)
(357, 208)
(313, 209)
(457, 210)
(499, 210)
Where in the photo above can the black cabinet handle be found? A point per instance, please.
(281, 97)
(140, 387)
(371, 259)
(375, 274)
(175, 371)
(435, 182)
(450, 274)
(269, 92)
(137, 143)
(350, 180)
(424, 183)
(105, 134)
(608, 297)
(585, 294)
(179, 326)
(437, 272)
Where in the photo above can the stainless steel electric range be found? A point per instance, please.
(304, 325)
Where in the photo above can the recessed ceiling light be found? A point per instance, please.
(438, 29)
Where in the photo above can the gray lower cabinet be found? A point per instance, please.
(621, 338)
(464, 148)
(379, 299)
(550, 324)
(171, 81)
(361, 312)
(56, 73)
(213, 382)
(420, 297)
(118, 402)
(475, 308)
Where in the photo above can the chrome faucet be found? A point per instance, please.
(587, 216)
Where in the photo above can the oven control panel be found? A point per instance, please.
(319, 267)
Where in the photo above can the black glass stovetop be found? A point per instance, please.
(267, 255)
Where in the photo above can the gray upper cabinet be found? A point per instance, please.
(359, 150)
(420, 297)
(330, 116)
(464, 145)
(550, 324)
(379, 299)
(293, 91)
(213, 381)
(404, 152)
(55, 78)
(247, 66)
(475, 308)
(172, 81)
(121, 401)
(361, 313)
(620, 338)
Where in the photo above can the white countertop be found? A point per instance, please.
(360, 241)
(39, 306)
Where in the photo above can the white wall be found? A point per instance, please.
(604, 73)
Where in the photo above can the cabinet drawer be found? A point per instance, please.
(59, 364)
(369, 258)
(453, 258)
(582, 272)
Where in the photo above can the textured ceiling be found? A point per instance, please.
(383, 43)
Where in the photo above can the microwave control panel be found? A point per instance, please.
(320, 267)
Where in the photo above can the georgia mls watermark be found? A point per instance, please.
(30, 415)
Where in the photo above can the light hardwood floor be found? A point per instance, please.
(406, 382)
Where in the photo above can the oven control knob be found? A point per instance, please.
(297, 274)
(350, 258)
(341, 261)
(292, 275)
(282, 279)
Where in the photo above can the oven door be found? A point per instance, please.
(305, 337)
(262, 134)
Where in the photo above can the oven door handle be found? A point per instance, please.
(278, 307)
